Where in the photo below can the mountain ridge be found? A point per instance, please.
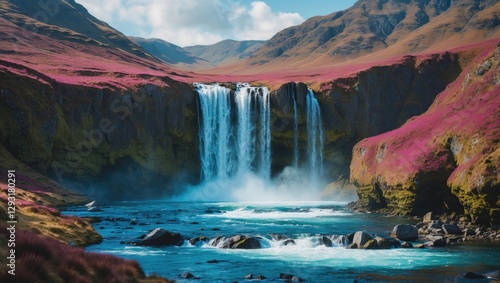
(167, 52)
(226, 50)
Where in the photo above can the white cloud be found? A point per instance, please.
(191, 22)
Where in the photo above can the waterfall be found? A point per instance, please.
(227, 150)
(265, 134)
(295, 131)
(215, 131)
(315, 135)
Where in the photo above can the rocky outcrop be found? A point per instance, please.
(365, 104)
(135, 142)
(235, 242)
(161, 237)
(405, 232)
(444, 160)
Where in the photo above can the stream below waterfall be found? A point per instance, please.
(304, 222)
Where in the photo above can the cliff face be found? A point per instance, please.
(446, 159)
(122, 143)
(371, 102)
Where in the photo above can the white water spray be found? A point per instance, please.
(315, 136)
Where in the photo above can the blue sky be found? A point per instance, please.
(192, 22)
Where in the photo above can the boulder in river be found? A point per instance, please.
(249, 243)
(371, 245)
(361, 238)
(279, 237)
(286, 276)
(405, 232)
(161, 237)
(451, 229)
(187, 275)
(194, 241)
(387, 243)
(326, 241)
(473, 275)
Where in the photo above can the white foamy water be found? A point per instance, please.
(243, 213)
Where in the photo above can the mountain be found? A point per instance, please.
(391, 27)
(166, 51)
(225, 51)
(69, 21)
(61, 41)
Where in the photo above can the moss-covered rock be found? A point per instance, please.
(444, 160)
(77, 134)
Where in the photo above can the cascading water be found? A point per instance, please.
(315, 135)
(295, 131)
(215, 132)
(227, 150)
(235, 140)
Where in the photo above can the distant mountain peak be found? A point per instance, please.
(166, 51)
(401, 26)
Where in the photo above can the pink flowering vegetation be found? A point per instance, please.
(42, 259)
(36, 214)
(46, 59)
(456, 140)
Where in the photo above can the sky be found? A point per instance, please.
(203, 22)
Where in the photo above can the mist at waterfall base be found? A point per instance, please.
(293, 184)
(235, 149)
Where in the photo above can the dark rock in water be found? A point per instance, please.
(360, 238)
(386, 243)
(405, 232)
(297, 279)
(247, 243)
(227, 243)
(249, 276)
(187, 275)
(352, 246)
(419, 246)
(279, 237)
(235, 242)
(215, 241)
(350, 237)
(473, 275)
(371, 245)
(161, 237)
(286, 276)
(436, 241)
(326, 241)
(406, 245)
(260, 277)
(193, 241)
(493, 275)
(288, 242)
(451, 229)
(213, 261)
(435, 224)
